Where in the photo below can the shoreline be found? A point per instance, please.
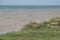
(14, 21)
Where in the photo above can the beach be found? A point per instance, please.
(14, 20)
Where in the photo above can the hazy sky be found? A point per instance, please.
(29, 2)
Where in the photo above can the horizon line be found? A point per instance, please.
(30, 4)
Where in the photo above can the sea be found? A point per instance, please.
(14, 17)
(28, 7)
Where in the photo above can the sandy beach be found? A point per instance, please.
(12, 21)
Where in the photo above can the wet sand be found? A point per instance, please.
(12, 21)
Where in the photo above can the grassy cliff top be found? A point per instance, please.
(36, 31)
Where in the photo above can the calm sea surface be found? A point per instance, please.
(34, 7)
(14, 17)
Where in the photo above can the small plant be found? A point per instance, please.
(58, 23)
(32, 25)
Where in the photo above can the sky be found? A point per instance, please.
(29, 2)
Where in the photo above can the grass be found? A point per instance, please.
(34, 33)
